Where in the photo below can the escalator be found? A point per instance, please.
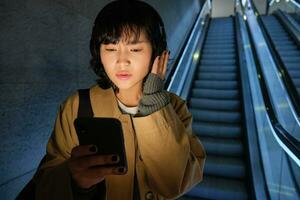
(287, 49)
(216, 103)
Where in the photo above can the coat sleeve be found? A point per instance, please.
(53, 179)
(173, 157)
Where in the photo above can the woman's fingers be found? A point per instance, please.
(93, 160)
(96, 160)
(83, 150)
(160, 64)
(165, 64)
(104, 171)
(155, 65)
(94, 175)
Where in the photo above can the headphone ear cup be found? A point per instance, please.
(159, 50)
(162, 37)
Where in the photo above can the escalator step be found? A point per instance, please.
(220, 39)
(217, 45)
(218, 62)
(205, 129)
(220, 33)
(295, 73)
(286, 48)
(227, 32)
(217, 76)
(292, 66)
(284, 41)
(291, 60)
(216, 84)
(218, 51)
(227, 68)
(218, 56)
(296, 82)
(227, 167)
(216, 116)
(222, 147)
(218, 68)
(284, 44)
(219, 188)
(279, 36)
(278, 33)
(215, 93)
(289, 53)
(215, 104)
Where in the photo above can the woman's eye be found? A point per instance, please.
(110, 49)
(136, 50)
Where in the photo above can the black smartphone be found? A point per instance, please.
(105, 133)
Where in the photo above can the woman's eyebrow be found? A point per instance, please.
(135, 42)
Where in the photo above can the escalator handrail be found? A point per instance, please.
(255, 160)
(292, 144)
(172, 68)
(190, 55)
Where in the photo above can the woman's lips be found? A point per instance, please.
(123, 76)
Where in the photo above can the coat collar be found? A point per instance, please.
(104, 102)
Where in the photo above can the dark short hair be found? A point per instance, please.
(125, 18)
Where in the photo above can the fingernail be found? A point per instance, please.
(114, 158)
(93, 149)
(121, 170)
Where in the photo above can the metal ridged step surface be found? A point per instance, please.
(285, 46)
(215, 103)
(214, 187)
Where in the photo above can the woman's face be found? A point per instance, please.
(126, 62)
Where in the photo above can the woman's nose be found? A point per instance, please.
(123, 58)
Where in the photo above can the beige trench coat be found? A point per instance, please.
(169, 160)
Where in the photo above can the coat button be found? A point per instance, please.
(149, 195)
(140, 157)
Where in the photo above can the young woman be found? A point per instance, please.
(128, 47)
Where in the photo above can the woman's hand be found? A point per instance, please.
(154, 96)
(84, 166)
(160, 64)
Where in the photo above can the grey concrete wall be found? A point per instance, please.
(261, 6)
(44, 57)
(222, 8)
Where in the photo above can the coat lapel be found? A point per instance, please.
(104, 102)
